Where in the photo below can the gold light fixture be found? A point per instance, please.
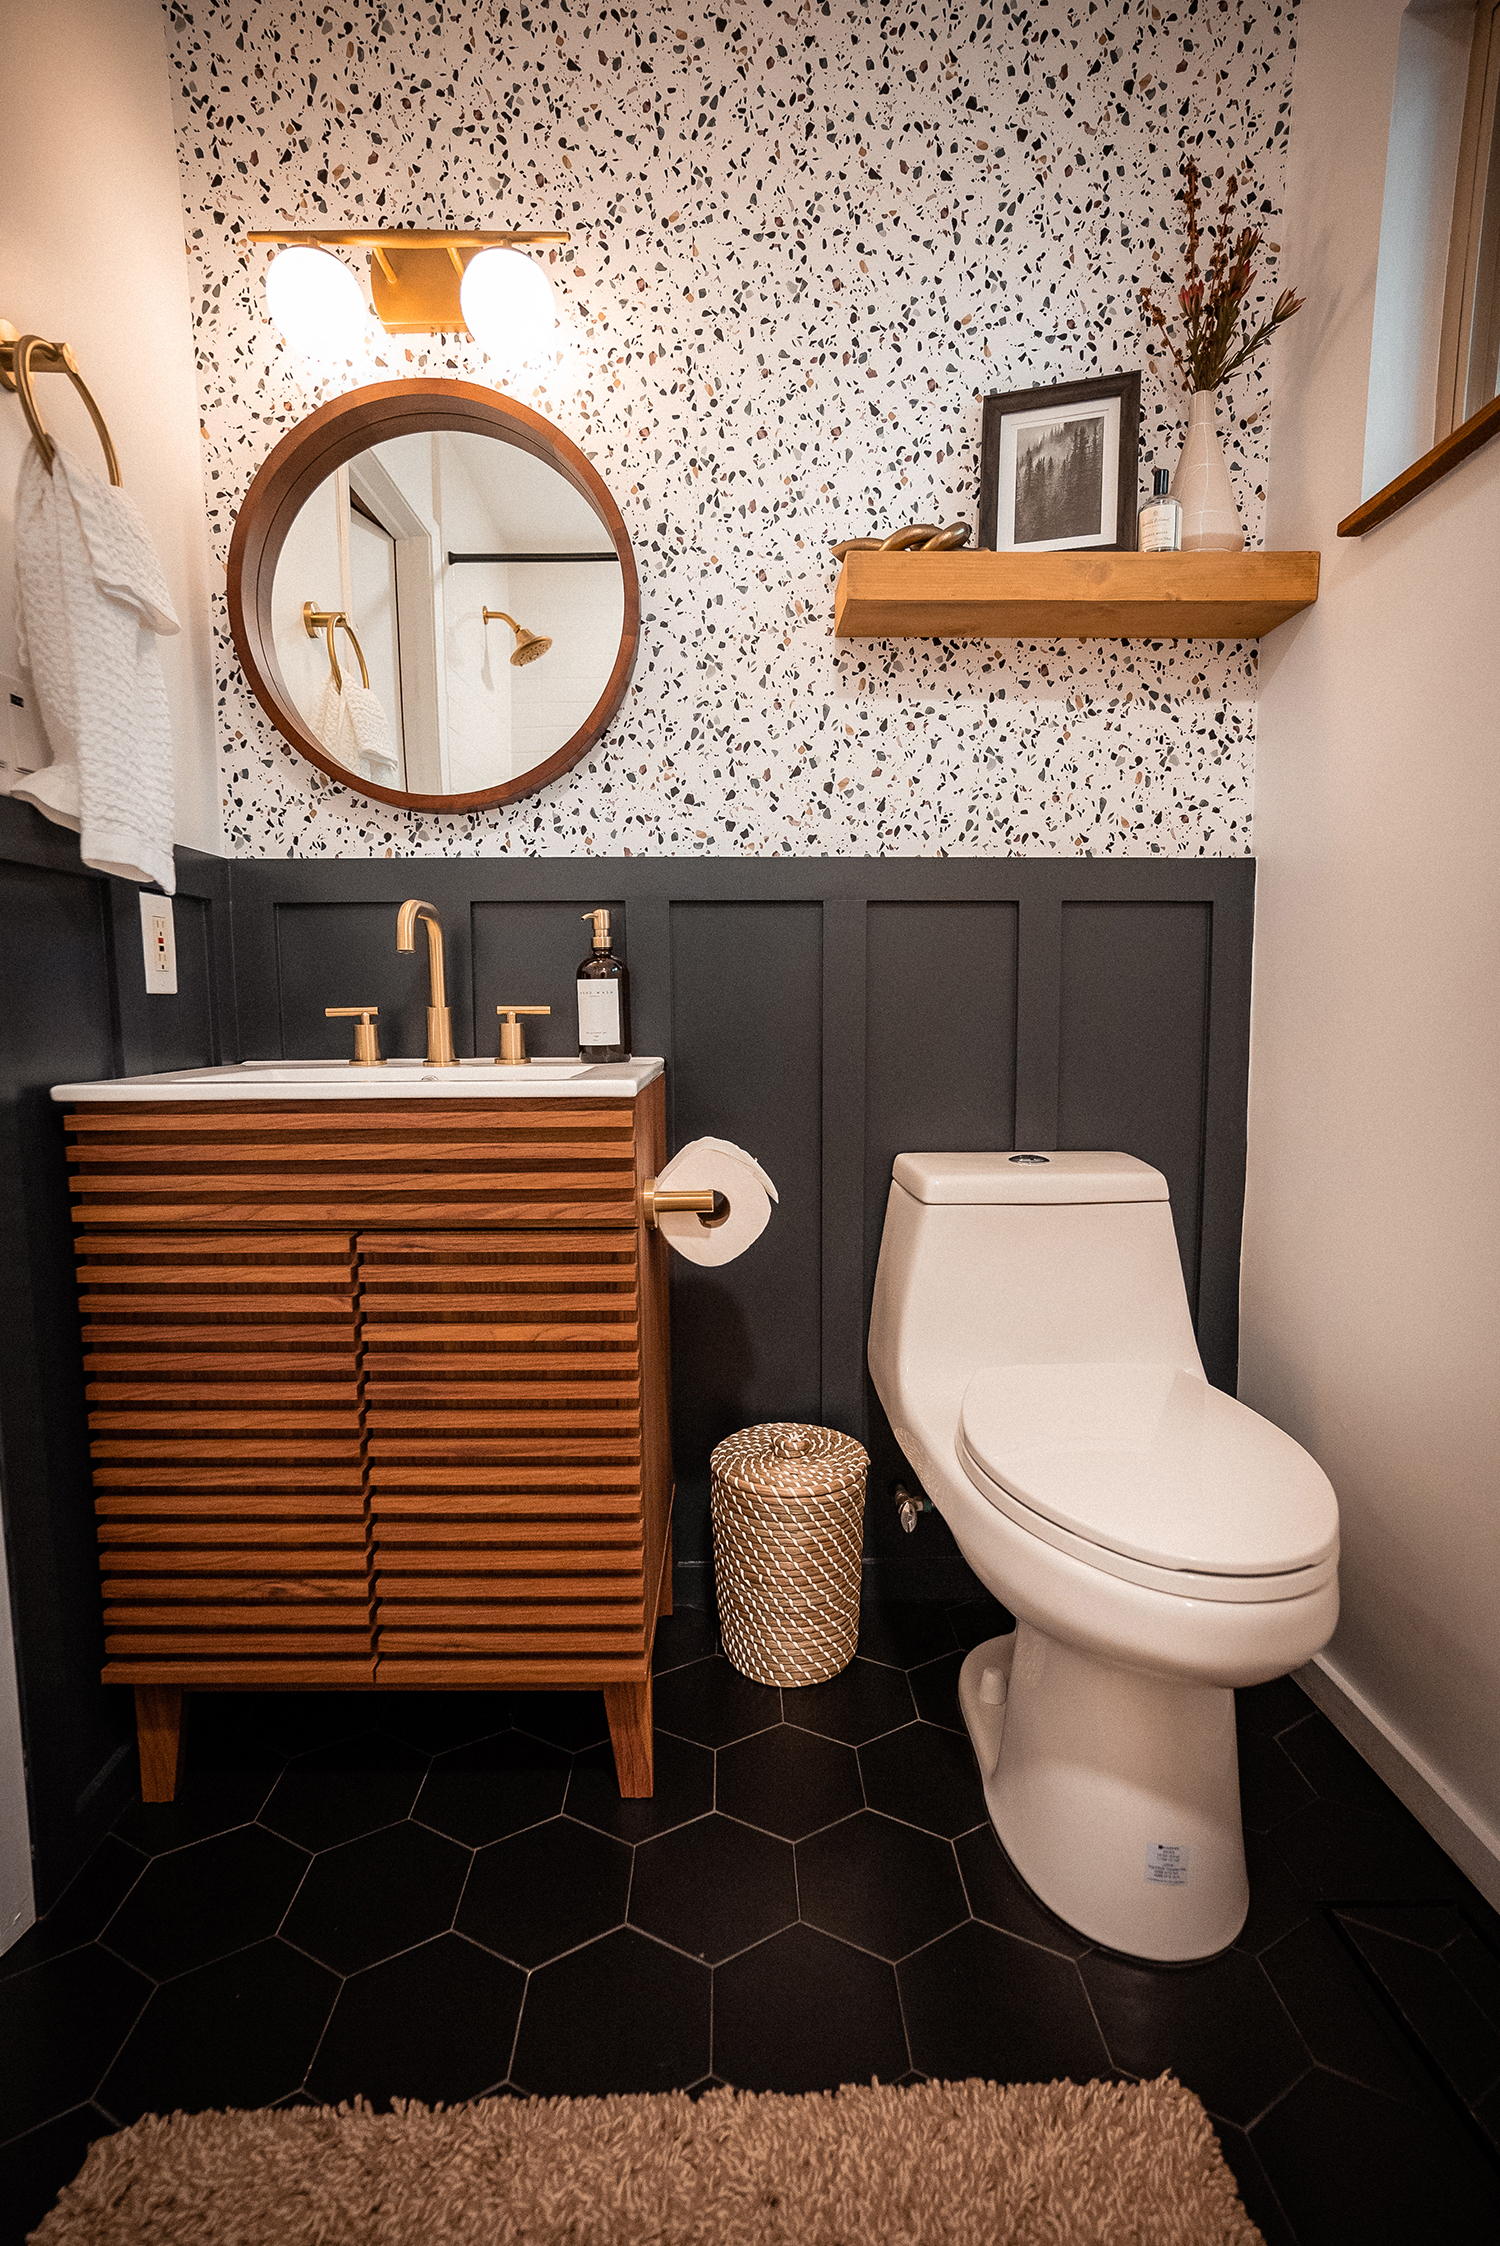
(418, 282)
(529, 645)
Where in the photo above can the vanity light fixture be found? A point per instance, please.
(421, 283)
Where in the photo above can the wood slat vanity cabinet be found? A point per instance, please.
(378, 1395)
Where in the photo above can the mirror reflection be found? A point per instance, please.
(447, 610)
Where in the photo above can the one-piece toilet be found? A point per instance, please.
(1158, 1542)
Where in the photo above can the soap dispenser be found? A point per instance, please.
(603, 999)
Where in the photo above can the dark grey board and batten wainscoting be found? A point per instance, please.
(823, 1013)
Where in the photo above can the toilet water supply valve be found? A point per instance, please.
(908, 1506)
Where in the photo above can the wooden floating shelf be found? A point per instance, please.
(970, 595)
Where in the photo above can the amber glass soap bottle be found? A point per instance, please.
(603, 999)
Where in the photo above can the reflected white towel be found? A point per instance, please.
(353, 727)
(93, 600)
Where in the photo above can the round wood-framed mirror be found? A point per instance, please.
(434, 595)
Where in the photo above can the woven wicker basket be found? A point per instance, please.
(788, 1515)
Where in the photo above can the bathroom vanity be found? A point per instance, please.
(377, 1365)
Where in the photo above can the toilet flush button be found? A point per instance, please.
(1029, 1158)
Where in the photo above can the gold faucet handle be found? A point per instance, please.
(513, 1053)
(366, 1036)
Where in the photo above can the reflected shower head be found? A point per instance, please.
(529, 645)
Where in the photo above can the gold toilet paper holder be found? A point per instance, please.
(659, 1200)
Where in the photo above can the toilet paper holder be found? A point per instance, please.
(666, 1200)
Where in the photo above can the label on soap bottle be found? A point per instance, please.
(598, 1012)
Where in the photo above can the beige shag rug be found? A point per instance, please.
(936, 2164)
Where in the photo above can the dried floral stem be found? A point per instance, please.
(1212, 304)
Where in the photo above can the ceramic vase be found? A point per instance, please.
(1210, 519)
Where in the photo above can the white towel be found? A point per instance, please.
(92, 601)
(353, 727)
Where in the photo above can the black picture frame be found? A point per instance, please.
(1001, 406)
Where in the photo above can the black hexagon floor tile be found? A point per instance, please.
(570, 1720)
(883, 1886)
(208, 1802)
(713, 1887)
(60, 2026)
(1270, 1708)
(934, 1688)
(1351, 2167)
(683, 1776)
(984, 2003)
(805, 2012)
(84, 1907)
(925, 1776)
(1339, 2016)
(860, 1703)
(338, 1792)
(622, 2014)
(973, 1621)
(711, 1702)
(902, 1633)
(998, 1894)
(34, 2168)
(236, 2033)
(1337, 1854)
(437, 2023)
(545, 1890)
(495, 1786)
(377, 1896)
(435, 1722)
(202, 1902)
(1276, 1902)
(788, 1781)
(690, 1634)
(1153, 2020)
(1271, 1786)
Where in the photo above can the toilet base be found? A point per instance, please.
(1116, 1794)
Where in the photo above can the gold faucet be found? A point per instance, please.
(440, 1053)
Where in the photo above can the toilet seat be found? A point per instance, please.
(1148, 1473)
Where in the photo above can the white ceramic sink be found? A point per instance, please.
(397, 1079)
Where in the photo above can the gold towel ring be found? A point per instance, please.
(17, 376)
(330, 620)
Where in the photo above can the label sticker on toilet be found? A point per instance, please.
(1166, 1864)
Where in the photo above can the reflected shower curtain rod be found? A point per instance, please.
(608, 555)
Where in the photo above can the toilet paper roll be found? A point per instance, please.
(744, 1185)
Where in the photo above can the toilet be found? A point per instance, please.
(1158, 1542)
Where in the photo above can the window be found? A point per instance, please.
(1469, 365)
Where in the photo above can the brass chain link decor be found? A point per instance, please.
(788, 1520)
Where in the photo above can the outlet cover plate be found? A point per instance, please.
(159, 943)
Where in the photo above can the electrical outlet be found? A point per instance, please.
(159, 942)
(23, 745)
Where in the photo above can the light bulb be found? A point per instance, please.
(507, 304)
(317, 304)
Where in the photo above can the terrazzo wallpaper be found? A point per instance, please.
(805, 239)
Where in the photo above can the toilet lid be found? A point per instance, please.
(1152, 1463)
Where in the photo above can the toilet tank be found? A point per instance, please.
(990, 1259)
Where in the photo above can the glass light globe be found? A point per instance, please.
(317, 304)
(507, 304)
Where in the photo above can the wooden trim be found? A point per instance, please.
(329, 438)
(1424, 473)
(1089, 595)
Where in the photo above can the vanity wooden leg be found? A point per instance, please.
(161, 1736)
(628, 1707)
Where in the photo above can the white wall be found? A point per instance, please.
(1371, 1275)
(92, 251)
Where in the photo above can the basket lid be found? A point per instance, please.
(783, 1458)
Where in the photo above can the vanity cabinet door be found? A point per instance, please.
(223, 1390)
(503, 1409)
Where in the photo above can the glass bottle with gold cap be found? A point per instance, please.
(603, 999)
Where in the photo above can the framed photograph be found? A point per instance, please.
(1059, 468)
